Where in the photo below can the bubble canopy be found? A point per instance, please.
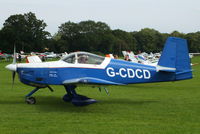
(83, 58)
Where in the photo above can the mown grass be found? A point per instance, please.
(153, 108)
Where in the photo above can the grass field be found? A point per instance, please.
(155, 108)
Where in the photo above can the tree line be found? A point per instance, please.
(28, 34)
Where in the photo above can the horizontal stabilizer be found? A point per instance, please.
(165, 69)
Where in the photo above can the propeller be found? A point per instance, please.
(13, 67)
(14, 62)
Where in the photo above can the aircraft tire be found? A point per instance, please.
(30, 100)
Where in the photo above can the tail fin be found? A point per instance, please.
(175, 58)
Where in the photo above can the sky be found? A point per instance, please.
(128, 15)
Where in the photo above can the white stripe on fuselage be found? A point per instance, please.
(62, 64)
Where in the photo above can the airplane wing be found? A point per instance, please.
(90, 80)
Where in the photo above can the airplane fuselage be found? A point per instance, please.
(116, 71)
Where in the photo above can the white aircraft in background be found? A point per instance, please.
(142, 58)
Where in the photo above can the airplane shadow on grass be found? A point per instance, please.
(56, 104)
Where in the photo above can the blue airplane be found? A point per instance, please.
(81, 68)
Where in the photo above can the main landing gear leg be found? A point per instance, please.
(76, 99)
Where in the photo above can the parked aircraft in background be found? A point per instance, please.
(82, 68)
(143, 58)
(50, 55)
(5, 56)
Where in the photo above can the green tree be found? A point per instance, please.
(25, 31)
(177, 34)
(194, 42)
(148, 40)
(123, 41)
(83, 36)
(68, 30)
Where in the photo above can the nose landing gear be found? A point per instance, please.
(31, 100)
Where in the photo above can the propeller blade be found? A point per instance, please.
(14, 56)
(13, 66)
(13, 78)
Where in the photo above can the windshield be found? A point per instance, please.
(70, 59)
